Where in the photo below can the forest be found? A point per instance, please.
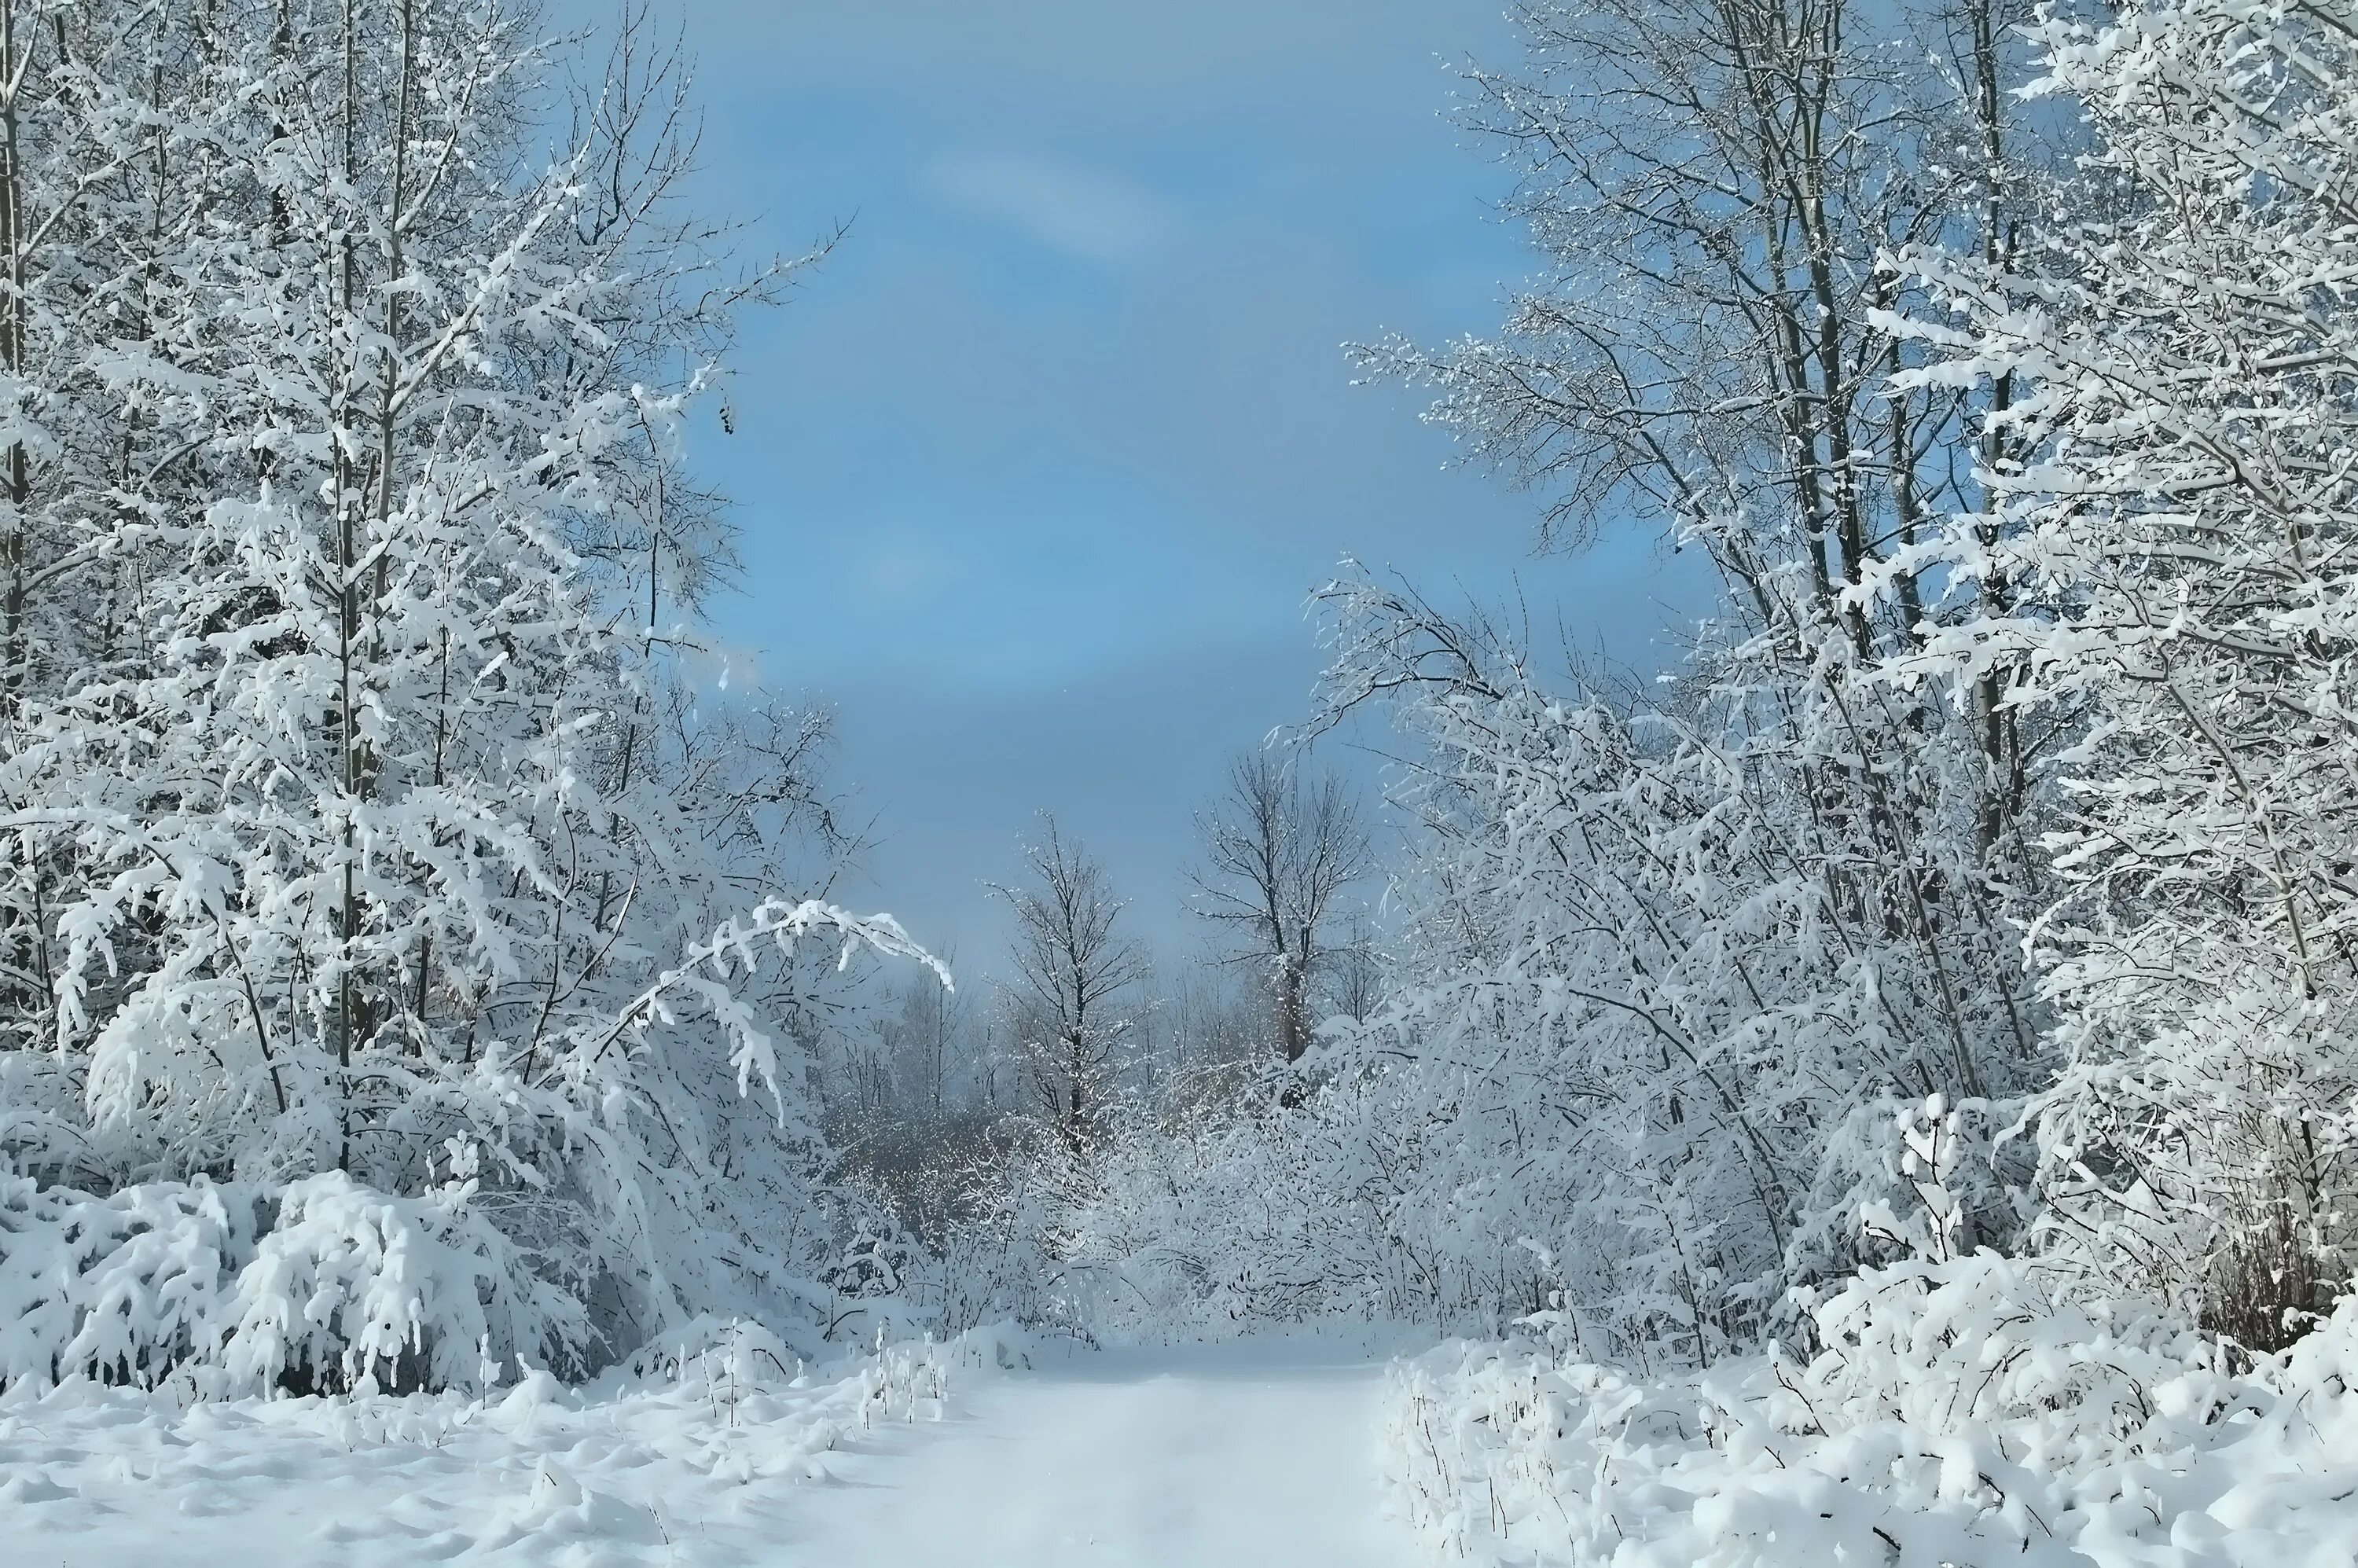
(1880, 1087)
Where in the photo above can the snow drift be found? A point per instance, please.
(698, 1446)
(1971, 1412)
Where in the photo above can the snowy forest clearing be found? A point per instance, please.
(1879, 1088)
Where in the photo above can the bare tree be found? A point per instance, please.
(924, 1036)
(1354, 976)
(1277, 854)
(1074, 984)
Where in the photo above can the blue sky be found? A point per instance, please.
(1036, 472)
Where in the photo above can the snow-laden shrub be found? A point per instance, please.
(1661, 954)
(233, 1289)
(350, 1285)
(870, 1264)
(1416, 1195)
(1371, 1197)
(1961, 1408)
(1261, 1215)
(124, 1287)
(1967, 1411)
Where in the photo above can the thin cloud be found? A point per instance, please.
(1083, 213)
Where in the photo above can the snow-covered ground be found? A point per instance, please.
(706, 1466)
(1238, 1455)
(1230, 1457)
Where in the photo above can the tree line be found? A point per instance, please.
(379, 845)
(1996, 359)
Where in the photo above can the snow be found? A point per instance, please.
(1235, 1455)
(1977, 1411)
(1246, 1454)
(706, 1462)
(1893, 1073)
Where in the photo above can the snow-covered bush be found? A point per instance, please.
(1959, 1406)
(124, 1288)
(1665, 963)
(1983, 1409)
(237, 1289)
(1368, 1199)
(1213, 1224)
(348, 1284)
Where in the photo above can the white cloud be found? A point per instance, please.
(1084, 212)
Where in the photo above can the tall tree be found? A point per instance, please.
(1075, 987)
(1279, 854)
(374, 815)
(2171, 523)
(1718, 188)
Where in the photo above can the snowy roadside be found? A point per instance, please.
(2042, 1437)
(693, 1460)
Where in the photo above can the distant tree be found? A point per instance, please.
(1075, 992)
(1354, 981)
(921, 1035)
(1278, 855)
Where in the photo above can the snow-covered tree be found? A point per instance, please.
(2170, 530)
(1668, 948)
(1280, 853)
(377, 813)
(1074, 992)
(1658, 985)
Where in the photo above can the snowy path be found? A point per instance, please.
(1232, 1456)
